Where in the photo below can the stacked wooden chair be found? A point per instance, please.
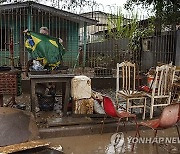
(126, 90)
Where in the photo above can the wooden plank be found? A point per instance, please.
(23, 146)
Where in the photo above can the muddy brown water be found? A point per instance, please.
(96, 144)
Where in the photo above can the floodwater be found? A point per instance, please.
(97, 144)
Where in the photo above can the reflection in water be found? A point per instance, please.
(116, 144)
(97, 144)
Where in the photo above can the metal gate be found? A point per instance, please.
(98, 46)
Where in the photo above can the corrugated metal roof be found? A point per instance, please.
(65, 14)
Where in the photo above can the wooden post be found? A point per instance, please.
(1, 100)
(11, 48)
(85, 42)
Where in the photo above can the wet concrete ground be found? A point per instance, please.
(96, 144)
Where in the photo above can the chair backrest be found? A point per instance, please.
(163, 80)
(109, 107)
(169, 116)
(126, 71)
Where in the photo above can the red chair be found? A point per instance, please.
(112, 112)
(169, 117)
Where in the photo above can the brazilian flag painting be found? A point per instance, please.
(45, 48)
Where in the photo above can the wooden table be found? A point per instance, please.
(63, 78)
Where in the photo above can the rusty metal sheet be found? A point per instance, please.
(16, 126)
(23, 146)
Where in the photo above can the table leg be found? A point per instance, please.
(1, 100)
(33, 98)
(13, 100)
(63, 92)
(66, 98)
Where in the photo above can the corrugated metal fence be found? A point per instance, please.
(146, 46)
(106, 43)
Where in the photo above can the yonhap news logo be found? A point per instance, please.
(152, 140)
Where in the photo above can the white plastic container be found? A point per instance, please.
(80, 87)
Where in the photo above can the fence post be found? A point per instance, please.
(84, 46)
(177, 50)
(29, 21)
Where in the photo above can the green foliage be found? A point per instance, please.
(119, 27)
(115, 26)
(166, 11)
(139, 32)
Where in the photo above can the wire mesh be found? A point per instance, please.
(98, 47)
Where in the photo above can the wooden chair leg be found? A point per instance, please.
(117, 99)
(178, 131)
(127, 107)
(169, 100)
(144, 113)
(102, 126)
(152, 108)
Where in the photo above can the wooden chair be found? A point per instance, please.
(161, 86)
(111, 111)
(169, 117)
(127, 72)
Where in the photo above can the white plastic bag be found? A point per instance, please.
(37, 66)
